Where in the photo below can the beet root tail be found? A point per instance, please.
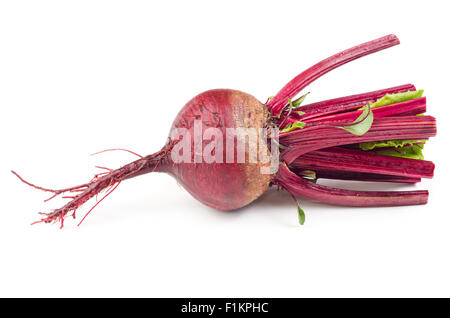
(105, 182)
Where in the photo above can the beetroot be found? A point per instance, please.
(224, 186)
(237, 151)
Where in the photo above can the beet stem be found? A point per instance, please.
(291, 89)
(309, 190)
(360, 176)
(341, 104)
(342, 160)
(302, 141)
(410, 108)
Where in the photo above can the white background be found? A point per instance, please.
(80, 76)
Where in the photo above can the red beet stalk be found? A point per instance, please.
(280, 100)
(309, 190)
(346, 103)
(350, 160)
(406, 108)
(301, 141)
(357, 176)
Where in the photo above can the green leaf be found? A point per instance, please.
(389, 143)
(362, 124)
(365, 120)
(301, 215)
(296, 103)
(309, 174)
(290, 126)
(411, 149)
(389, 99)
(409, 152)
